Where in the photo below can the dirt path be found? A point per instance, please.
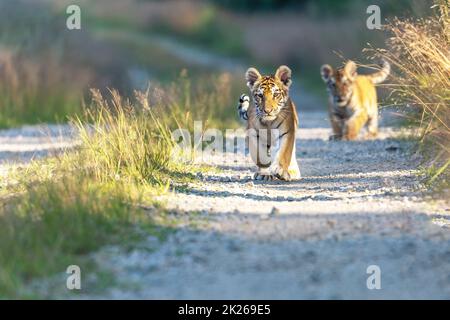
(358, 204)
(20, 145)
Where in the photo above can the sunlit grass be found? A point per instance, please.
(45, 229)
(419, 51)
(35, 91)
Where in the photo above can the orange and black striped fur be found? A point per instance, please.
(271, 123)
(353, 99)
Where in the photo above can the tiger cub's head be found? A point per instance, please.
(340, 82)
(270, 93)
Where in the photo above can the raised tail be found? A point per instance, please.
(381, 75)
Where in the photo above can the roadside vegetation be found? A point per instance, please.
(35, 85)
(57, 210)
(70, 205)
(419, 51)
(44, 69)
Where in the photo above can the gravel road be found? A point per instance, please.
(20, 145)
(358, 204)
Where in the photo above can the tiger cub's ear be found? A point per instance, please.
(326, 71)
(251, 76)
(350, 69)
(284, 74)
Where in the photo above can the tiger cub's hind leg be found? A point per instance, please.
(284, 166)
(354, 125)
(294, 170)
(372, 126)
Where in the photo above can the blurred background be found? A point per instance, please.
(46, 69)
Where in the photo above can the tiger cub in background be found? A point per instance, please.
(353, 99)
(271, 124)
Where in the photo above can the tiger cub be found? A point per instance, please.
(271, 124)
(353, 99)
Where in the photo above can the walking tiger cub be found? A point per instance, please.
(271, 124)
(353, 99)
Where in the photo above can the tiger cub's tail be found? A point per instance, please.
(381, 75)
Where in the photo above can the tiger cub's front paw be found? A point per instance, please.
(335, 137)
(280, 173)
(283, 175)
(260, 176)
(244, 103)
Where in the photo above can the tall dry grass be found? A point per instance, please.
(45, 70)
(35, 90)
(419, 51)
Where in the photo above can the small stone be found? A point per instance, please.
(199, 175)
(233, 246)
(274, 211)
(249, 183)
(391, 148)
(331, 223)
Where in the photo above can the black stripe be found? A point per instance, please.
(284, 134)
